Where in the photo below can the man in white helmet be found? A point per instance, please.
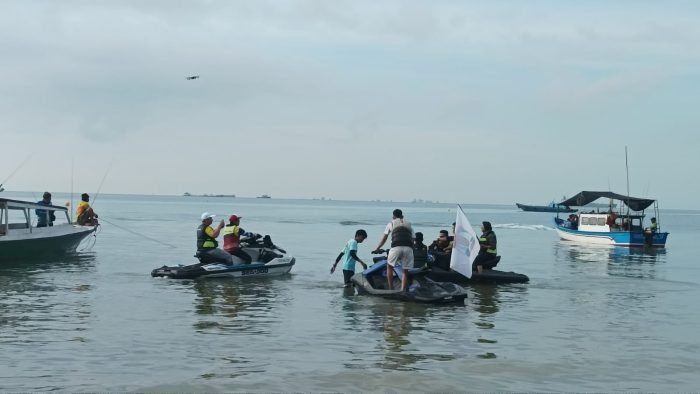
(207, 245)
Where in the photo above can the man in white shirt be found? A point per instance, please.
(401, 252)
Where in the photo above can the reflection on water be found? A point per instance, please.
(624, 262)
(404, 331)
(486, 300)
(241, 306)
(38, 296)
(397, 320)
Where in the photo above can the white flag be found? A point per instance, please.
(465, 246)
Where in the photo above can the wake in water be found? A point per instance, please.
(355, 223)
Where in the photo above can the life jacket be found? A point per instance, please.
(484, 240)
(232, 237)
(204, 241)
(401, 233)
(81, 212)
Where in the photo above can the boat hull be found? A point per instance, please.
(486, 276)
(543, 208)
(43, 241)
(616, 238)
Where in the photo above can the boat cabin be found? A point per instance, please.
(20, 215)
(604, 223)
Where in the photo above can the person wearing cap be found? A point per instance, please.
(232, 239)
(206, 240)
(401, 252)
(84, 215)
(487, 251)
(45, 217)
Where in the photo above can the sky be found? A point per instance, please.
(451, 101)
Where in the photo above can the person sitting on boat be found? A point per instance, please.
(45, 217)
(442, 243)
(653, 227)
(232, 238)
(420, 251)
(625, 225)
(441, 250)
(487, 251)
(84, 215)
(207, 245)
(401, 252)
(610, 220)
(573, 221)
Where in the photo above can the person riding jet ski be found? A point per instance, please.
(232, 238)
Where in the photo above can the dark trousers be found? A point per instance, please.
(242, 254)
(347, 275)
(483, 260)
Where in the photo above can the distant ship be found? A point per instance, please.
(264, 196)
(210, 195)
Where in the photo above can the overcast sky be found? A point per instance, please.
(455, 101)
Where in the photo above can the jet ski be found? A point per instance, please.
(267, 260)
(420, 289)
(490, 275)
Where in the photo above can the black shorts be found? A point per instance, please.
(347, 274)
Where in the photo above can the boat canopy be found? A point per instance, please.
(17, 204)
(586, 197)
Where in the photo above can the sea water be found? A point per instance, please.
(590, 319)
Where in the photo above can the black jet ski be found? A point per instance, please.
(421, 289)
(268, 260)
(441, 273)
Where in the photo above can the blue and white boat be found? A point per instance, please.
(623, 228)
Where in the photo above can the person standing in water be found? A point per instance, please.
(349, 256)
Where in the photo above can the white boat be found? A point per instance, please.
(18, 238)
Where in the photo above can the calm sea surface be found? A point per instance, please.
(591, 318)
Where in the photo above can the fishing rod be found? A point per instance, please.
(14, 172)
(102, 182)
(128, 230)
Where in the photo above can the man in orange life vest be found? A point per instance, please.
(232, 238)
(84, 215)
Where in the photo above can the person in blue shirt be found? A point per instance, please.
(42, 219)
(349, 256)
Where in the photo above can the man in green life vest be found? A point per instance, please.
(487, 251)
(207, 245)
(653, 227)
